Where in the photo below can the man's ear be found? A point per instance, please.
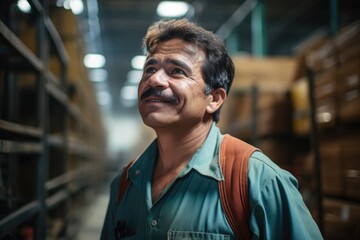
(218, 97)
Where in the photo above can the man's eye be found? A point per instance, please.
(178, 71)
(150, 70)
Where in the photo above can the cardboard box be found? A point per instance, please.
(349, 91)
(323, 58)
(303, 49)
(341, 220)
(275, 120)
(326, 84)
(351, 159)
(348, 42)
(268, 74)
(331, 167)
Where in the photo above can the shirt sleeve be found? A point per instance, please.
(107, 232)
(277, 208)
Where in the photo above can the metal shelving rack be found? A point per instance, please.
(45, 145)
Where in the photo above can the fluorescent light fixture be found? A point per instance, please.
(172, 8)
(98, 75)
(138, 62)
(77, 6)
(94, 61)
(59, 3)
(104, 98)
(24, 6)
(66, 4)
(134, 76)
(128, 93)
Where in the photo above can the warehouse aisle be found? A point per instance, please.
(94, 218)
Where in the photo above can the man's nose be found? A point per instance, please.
(159, 79)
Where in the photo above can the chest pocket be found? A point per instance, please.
(186, 235)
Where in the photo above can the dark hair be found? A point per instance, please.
(217, 69)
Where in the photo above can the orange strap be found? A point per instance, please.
(234, 156)
(234, 195)
(124, 181)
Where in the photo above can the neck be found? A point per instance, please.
(178, 145)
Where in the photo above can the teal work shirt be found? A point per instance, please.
(190, 207)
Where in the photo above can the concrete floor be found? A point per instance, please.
(94, 218)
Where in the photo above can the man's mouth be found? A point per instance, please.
(158, 96)
(155, 100)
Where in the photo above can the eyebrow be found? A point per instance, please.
(178, 63)
(151, 61)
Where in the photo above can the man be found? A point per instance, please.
(173, 191)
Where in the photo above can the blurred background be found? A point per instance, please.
(69, 71)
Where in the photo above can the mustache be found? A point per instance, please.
(159, 93)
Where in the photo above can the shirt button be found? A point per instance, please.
(137, 172)
(154, 223)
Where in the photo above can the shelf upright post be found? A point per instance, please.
(233, 41)
(334, 17)
(314, 141)
(258, 27)
(42, 176)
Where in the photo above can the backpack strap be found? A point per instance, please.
(234, 195)
(124, 181)
(234, 156)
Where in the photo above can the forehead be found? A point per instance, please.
(179, 47)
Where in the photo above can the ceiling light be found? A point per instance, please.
(24, 6)
(98, 75)
(94, 61)
(66, 4)
(77, 6)
(172, 8)
(138, 62)
(129, 92)
(134, 76)
(104, 98)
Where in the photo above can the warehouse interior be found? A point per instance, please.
(67, 125)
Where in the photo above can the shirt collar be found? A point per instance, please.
(205, 160)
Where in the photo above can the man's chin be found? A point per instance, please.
(156, 121)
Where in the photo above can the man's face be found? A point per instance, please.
(171, 91)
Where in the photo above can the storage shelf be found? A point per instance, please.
(57, 93)
(62, 180)
(20, 129)
(56, 199)
(55, 143)
(16, 218)
(36, 5)
(63, 195)
(56, 140)
(11, 39)
(78, 147)
(56, 39)
(20, 147)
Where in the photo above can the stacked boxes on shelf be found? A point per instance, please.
(349, 73)
(258, 109)
(335, 67)
(51, 137)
